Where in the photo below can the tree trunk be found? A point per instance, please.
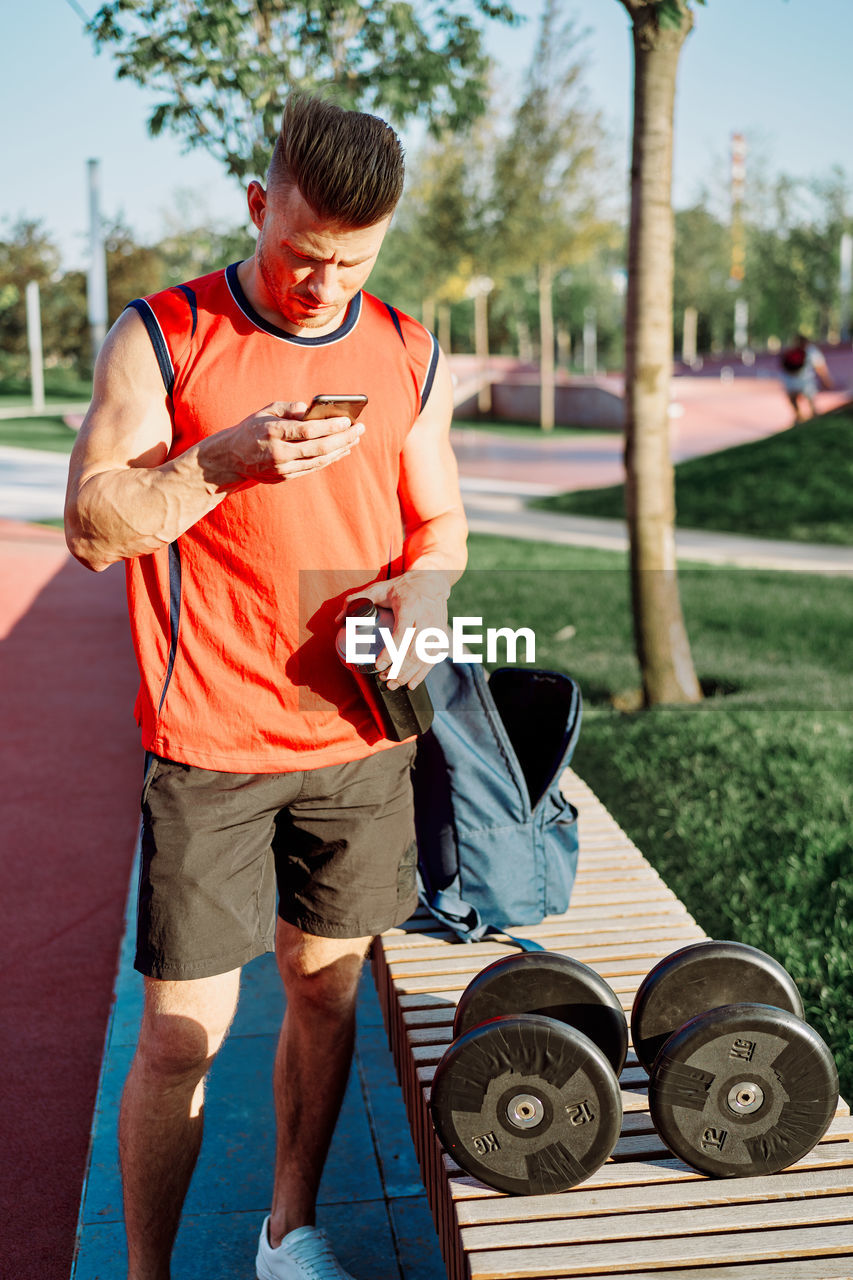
(546, 345)
(661, 640)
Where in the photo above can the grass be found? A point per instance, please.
(25, 401)
(742, 802)
(522, 430)
(796, 485)
(37, 433)
(60, 385)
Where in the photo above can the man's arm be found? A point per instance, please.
(125, 499)
(435, 552)
(433, 515)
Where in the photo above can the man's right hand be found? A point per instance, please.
(275, 444)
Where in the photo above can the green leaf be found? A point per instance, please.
(223, 67)
(671, 13)
(158, 119)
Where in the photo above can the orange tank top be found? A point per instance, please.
(233, 624)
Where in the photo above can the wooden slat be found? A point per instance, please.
(609, 961)
(617, 935)
(616, 1258)
(813, 1269)
(644, 1213)
(640, 1143)
(640, 1175)
(551, 927)
(634, 1075)
(642, 1196)
(828, 1206)
(634, 959)
(622, 984)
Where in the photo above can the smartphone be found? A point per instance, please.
(343, 406)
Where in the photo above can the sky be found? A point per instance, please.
(774, 70)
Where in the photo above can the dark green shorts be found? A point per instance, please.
(337, 845)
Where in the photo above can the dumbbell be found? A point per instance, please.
(527, 1096)
(739, 1084)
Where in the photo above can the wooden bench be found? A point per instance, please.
(644, 1213)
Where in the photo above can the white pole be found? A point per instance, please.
(546, 347)
(479, 289)
(590, 343)
(97, 280)
(34, 344)
(741, 323)
(688, 341)
(444, 326)
(846, 279)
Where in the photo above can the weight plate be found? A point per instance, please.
(526, 1104)
(555, 986)
(743, 1090)
(702, 977)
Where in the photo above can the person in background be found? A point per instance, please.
(803, 366)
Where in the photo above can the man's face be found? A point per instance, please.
(310, 269)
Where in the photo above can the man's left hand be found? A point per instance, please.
(418, 599)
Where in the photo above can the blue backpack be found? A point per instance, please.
(497, 839)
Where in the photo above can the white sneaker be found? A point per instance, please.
(304, 1254)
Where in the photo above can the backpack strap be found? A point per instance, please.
(448, 907)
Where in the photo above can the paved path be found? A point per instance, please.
(32, 483)
(707, 416)
(502, 511)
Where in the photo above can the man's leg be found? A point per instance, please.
(320, 978)
(160, 1126)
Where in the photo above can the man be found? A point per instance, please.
(263, 763)
(802, 365)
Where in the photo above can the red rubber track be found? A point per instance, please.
(71, 766)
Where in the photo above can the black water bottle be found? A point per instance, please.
(399, 713)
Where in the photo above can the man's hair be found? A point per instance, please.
(347, 165)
